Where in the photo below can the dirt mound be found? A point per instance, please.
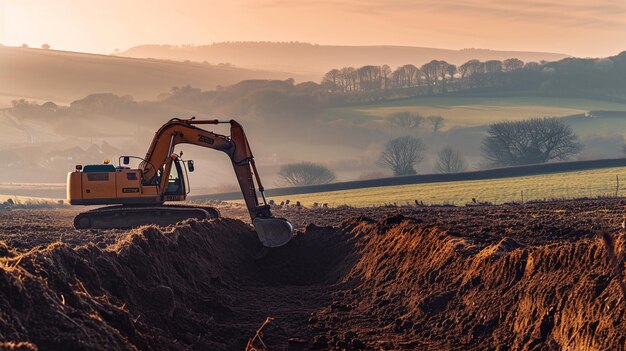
(420, 288)
(397, 283)
(152, 290)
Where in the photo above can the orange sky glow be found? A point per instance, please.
(577, 27)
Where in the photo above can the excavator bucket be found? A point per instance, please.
(273, 232)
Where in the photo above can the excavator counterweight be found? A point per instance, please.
(137, 196)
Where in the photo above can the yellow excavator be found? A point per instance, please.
(137, 196)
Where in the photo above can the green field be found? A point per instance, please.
(592, 183)
(474, 111)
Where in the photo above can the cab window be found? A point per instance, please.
(175, 182)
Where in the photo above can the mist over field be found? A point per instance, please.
(58, 114)
(332, 88)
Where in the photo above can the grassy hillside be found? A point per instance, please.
(592, 183)
(461, 111)
(310, 58)
(64, 76)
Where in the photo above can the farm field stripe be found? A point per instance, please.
(496, 173)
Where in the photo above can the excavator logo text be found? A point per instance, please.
(207, 140)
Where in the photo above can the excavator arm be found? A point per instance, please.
(272, 231)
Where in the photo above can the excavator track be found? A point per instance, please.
(126, 217)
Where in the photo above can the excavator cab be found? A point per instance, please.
(177, 187)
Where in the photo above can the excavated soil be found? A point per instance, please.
(541, 276)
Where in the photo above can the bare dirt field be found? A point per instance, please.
(536, 276)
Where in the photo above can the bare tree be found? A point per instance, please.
(408, 75)
(385, 74)
(464, 70)
(493, 66)
(470, 70)
(430, 71)
(405, 120)
(472, 67)
(305, 173)
(436, 122)
(452, 69)
(395, 79)
(536, 140)
(442, 71)
(369, 78)
(402, 154)
(45, 46)
(348, 79)
(331, 79)
(450, 160)
(512, 64)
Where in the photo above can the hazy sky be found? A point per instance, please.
(578, 27)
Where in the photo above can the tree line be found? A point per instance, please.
(601, 77)
(436, 74)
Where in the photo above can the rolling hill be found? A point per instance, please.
(318, 59)
(63, 76)
(472, 111)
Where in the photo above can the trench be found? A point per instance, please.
(390, 284)
(199, 285)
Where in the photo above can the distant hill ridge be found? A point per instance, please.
(314, 58)
(64, 76)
